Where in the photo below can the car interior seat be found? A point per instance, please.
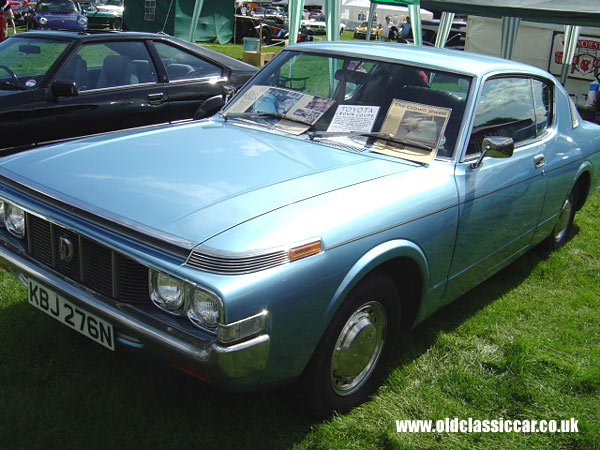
(117, 70)
(179, 71)
(145, 70)
(76, 71)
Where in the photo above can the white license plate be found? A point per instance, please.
(70, 314)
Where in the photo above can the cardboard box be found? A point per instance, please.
(258, 58)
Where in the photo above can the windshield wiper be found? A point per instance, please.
(12, 86)
(374, 134)
(243, 115)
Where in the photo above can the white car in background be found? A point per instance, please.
(318, 26)
(111, 5)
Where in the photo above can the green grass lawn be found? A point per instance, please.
(236, 50)
(524, 345)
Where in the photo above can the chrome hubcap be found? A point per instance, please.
(563, 220)
(358, 348)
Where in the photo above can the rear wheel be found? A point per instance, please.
(562, 228)
(352, 355)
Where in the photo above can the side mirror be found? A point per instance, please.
(64, 89)
(209, 107)
(228, 92)
(495, 147)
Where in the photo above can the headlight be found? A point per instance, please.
(2, 211)
(14, 220)
(203, 309)
(167, 292)
(82, 21)
(43, 21)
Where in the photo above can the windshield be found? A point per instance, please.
(27, 60)
(56, 6)
(359, 103)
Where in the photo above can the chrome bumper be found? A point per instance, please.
(222, 364)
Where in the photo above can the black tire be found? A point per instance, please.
(339, 379)
(117, 24)
(564, 223)
(266, 36)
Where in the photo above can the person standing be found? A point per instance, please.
(385, 30)
(405, 30)
(8, 15)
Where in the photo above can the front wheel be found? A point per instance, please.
(117, 24)
(352, 355)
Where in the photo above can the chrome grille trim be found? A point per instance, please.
(226, 263)
(95, 266)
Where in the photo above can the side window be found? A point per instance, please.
(109, 64)
(542, 99)
(181, 65)
(505, 108)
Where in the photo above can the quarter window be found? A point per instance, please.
(542, 97)
(505, 108)
(181, 65)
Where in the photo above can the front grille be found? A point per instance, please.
(232, 264)
(87, 262)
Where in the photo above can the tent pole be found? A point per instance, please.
(571, 38)
(372, 10)
(414, 12)
(195, 17)
(332, 19)
(295, 8)
(444, 29)
(510, 28)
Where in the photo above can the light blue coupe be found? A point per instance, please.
(346, 192)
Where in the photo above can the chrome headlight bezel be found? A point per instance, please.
(43, 21)
(185, 298)
(82, 21)
(14, 220)
(204, 309)
(159, 285)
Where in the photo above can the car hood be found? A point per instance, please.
(55, 16)
(191, 181)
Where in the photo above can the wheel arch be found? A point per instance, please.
(582, 184)
(401, 260)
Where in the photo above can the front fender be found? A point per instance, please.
(373, 258)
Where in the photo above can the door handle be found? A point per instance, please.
(155, 99)
(539, 160)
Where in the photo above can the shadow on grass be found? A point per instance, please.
(56, 387)
(416, 342)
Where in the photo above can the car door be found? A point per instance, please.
(24, 63)
(117, 87)
(501, 200)
(16, 116)
(192, 79)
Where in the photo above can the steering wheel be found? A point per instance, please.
(11, 73)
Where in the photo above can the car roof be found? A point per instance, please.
(102, 35)
(467, 63)
(91, 35)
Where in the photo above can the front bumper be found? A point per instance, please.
(237, 366)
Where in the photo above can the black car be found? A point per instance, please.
(58, 84)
